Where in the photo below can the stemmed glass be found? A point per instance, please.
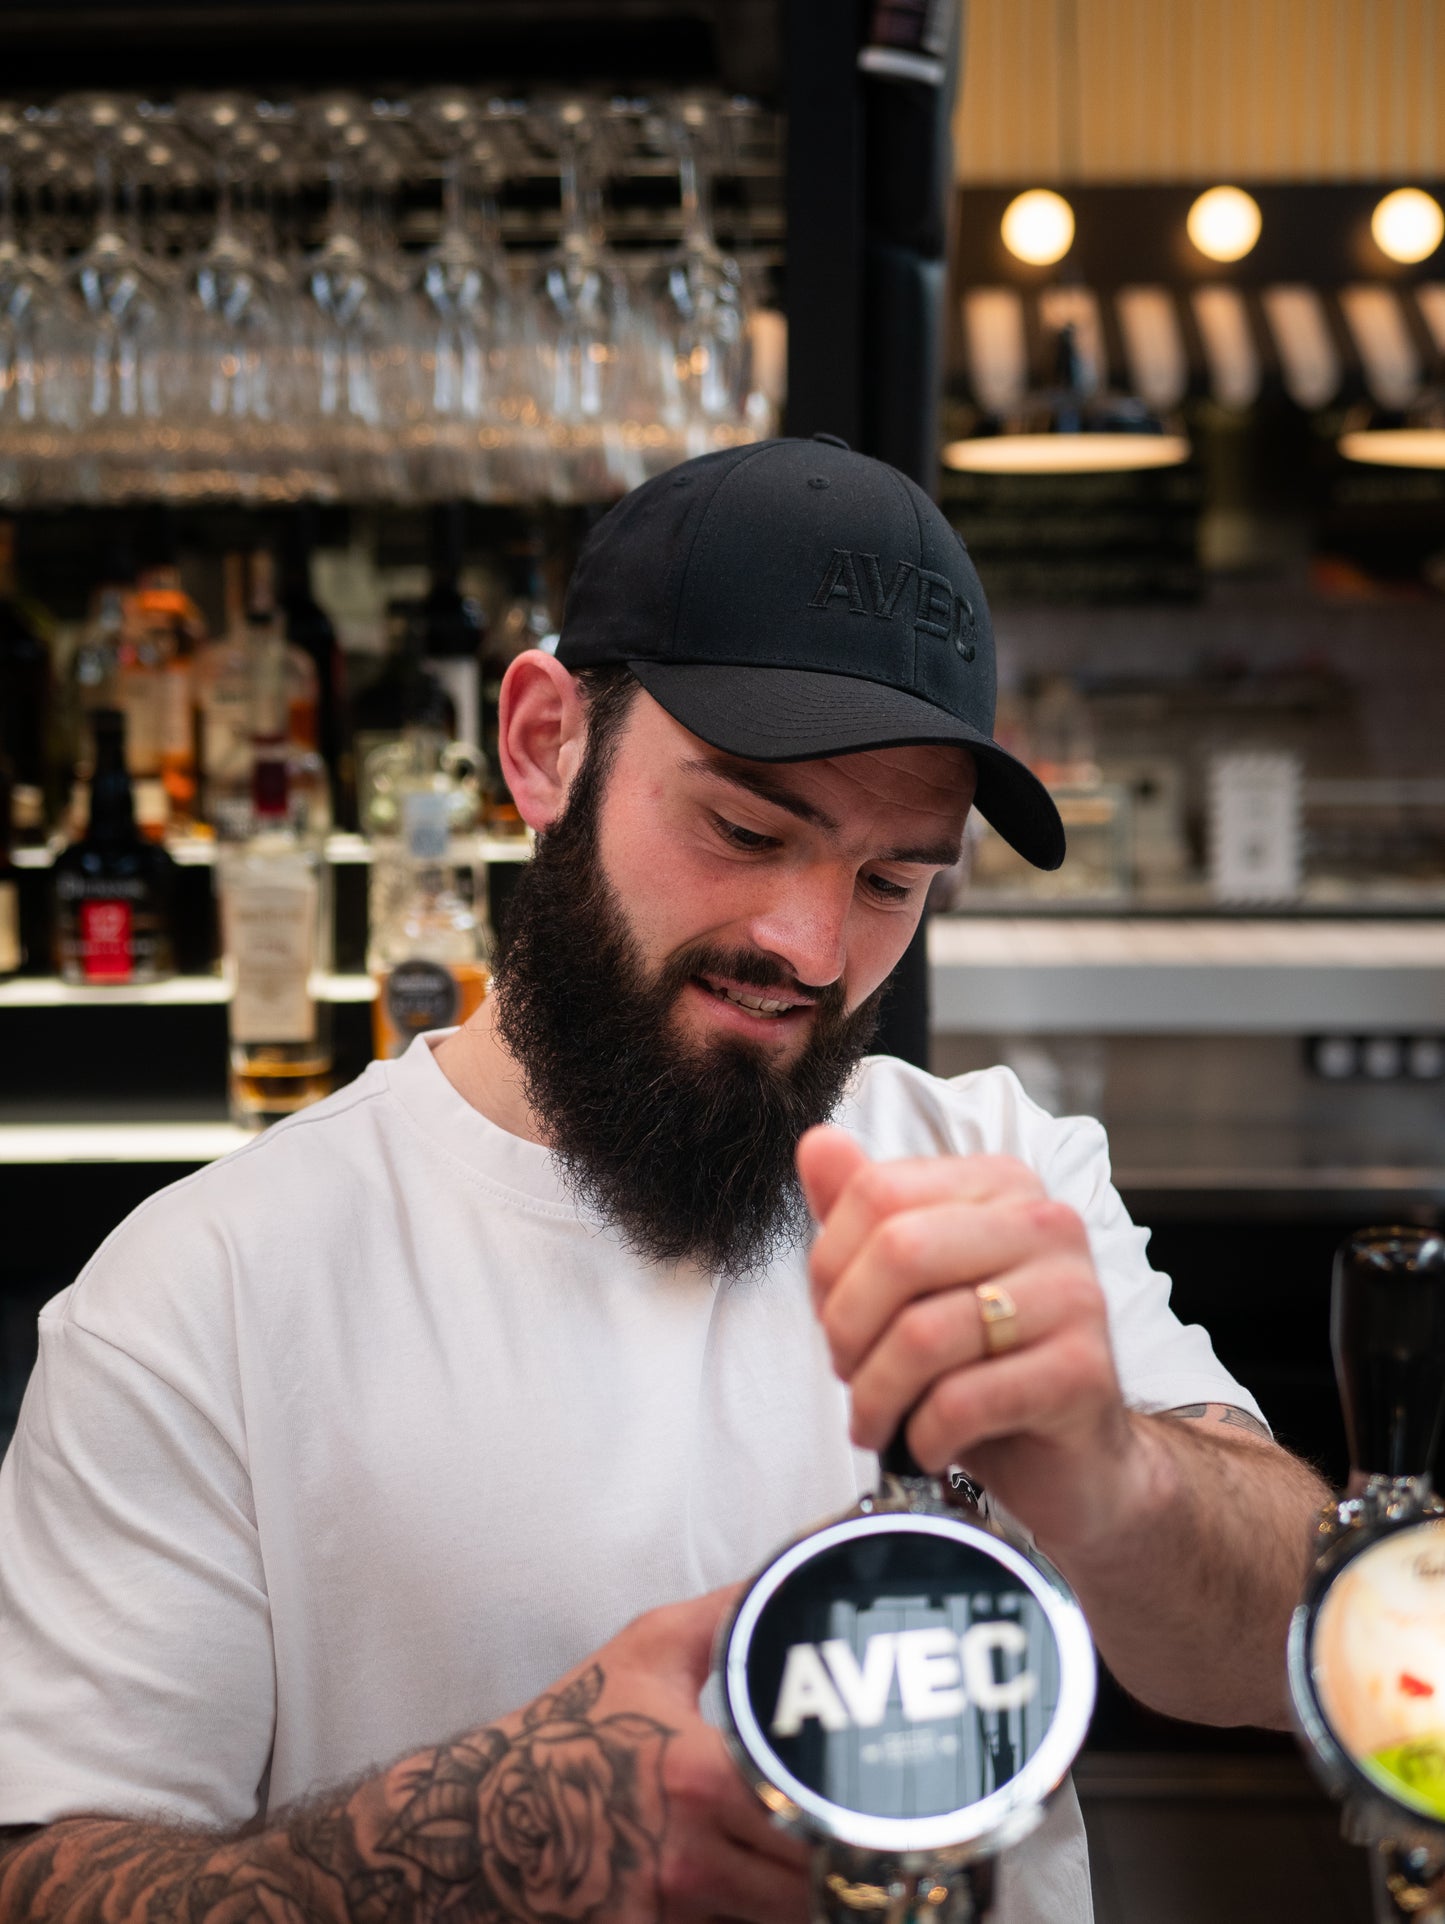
(462, 300)
(583, 324)
(701, 314)
(350, 322)
(118, 300)
(31, 397)
(234, 332)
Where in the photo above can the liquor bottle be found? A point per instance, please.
(143, 695)
(275, 926)
(171, 633)
(285, 698)
(453, 627)
(114, 888)
(11, 953)
(24, 698)
(252, 683)
(404, 695)
(223, 697)
(310, 629)
(430, 951)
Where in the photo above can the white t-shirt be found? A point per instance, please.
(360, 1437)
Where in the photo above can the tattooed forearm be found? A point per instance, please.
(557, 1812)
(1225, 1414)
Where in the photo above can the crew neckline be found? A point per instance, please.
(526, 1168)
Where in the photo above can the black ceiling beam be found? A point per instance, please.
(158, 45)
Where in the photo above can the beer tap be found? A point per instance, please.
(906, 1690)
(1367, 1642)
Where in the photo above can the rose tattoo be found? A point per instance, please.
(562, 1824)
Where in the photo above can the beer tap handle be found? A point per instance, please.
(1387, 1332)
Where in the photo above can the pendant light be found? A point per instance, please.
(1407, 434)
(1069, 428)
(1409, 437)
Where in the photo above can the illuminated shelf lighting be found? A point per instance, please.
(178, 991)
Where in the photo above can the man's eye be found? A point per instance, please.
(741, 837)
(887, 891)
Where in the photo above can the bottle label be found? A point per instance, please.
(420, 996)
(107, 949)
(271, 948)
(9, 928)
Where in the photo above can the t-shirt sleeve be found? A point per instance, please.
(136, 1666)
(1163, 1364)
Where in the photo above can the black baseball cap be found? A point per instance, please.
(791, 600)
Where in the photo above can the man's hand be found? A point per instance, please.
(721, 1855)
(1186, 1540)
(607, 1796)
(901, 1249)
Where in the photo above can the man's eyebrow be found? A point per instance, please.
(755, 782)
(764, 787)
(938, 855)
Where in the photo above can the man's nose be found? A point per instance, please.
(805, 925)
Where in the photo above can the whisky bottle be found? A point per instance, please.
(430, 949)
(113, 888)
(170, 634)
(275, 925)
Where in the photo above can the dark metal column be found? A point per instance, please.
(908, 145)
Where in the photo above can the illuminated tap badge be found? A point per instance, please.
(1377, 1665)
(908, 1682)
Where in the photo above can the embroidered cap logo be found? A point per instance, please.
(938, 609)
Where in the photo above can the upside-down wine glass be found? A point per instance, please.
(697, 293)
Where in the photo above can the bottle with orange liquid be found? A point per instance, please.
(165, 634)
(430, 949)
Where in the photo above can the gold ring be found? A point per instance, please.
(1000, 1314)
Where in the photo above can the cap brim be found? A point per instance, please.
(801, 714)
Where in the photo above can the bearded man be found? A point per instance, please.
(471, 1387)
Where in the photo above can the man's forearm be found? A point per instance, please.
(550, 1809)
(1190, 1596)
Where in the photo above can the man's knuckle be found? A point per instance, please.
(920, 1332)
(1077, 1291)
(681, 1879)
(691, 1777)
(875, 1187)
(898, 1242)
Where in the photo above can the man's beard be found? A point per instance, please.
(687, 1149)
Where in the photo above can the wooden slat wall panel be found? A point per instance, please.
(1195, 89)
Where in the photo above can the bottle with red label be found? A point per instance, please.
(113, 888)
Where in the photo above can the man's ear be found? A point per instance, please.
(542, 726)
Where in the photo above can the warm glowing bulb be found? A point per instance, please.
(1224, 223)
(1038, 227)
(1408, 224)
